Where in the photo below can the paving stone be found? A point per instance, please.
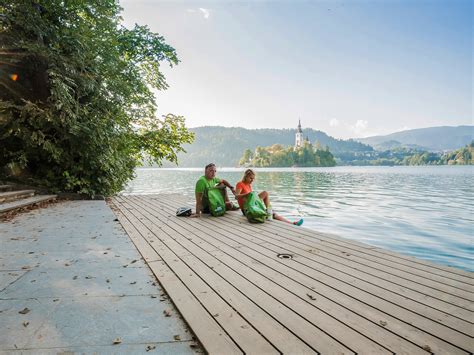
(174, 348)
(80, 283)
(86, 321)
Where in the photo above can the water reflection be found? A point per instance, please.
(425, 212)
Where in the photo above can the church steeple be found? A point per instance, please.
(299, 136)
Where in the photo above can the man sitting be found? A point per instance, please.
(206, 182)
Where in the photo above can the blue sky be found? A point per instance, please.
(348, 68)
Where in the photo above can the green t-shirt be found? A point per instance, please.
(203, 184)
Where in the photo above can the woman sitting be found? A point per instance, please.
(244, 188)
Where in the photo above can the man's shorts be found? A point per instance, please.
(205, 205)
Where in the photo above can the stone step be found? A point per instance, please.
(25, 202)
(15, 195)
(4, 188)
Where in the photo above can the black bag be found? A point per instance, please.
(183, 212)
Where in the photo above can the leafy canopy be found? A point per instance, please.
(77, 110)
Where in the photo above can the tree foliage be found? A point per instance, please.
(462, 156)
(407, 156)
(77, 110)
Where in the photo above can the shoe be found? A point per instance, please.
(235, 207)
(298, 223)
(269, 213)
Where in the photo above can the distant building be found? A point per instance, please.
(299, 136)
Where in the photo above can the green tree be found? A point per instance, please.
(246, 157)
(77, 110)
(462, 156)
(281, 158)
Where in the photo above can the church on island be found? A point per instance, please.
(302, 154)
(299, 136)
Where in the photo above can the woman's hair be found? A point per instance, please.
(247, 173)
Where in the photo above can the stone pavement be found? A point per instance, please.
(71, 281)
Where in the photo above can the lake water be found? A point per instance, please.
(426, 212)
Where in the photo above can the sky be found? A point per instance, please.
(348, 68)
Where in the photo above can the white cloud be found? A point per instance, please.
(205, 12)
(334, 122)
(190, 10)
(360, 127)
(361, 124)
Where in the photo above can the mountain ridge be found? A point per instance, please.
(439, 138)
(225, 145)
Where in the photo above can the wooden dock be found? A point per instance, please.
(278, 288)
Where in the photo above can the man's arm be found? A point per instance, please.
(198, 204)
(226, 183)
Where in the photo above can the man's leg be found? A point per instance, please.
(229, 206)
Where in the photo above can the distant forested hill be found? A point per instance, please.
(432, 138)
(225, 146)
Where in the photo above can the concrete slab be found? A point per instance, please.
(8, 277)
(87, 321)
(60, 244)
(181, 347)
(24, 202)
(76, 280)
(105, 258)
(83, 284)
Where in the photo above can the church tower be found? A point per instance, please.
(299, 136)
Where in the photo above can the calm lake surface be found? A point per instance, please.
(426, 212)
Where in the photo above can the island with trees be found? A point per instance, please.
(278, 155)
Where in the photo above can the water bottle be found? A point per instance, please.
(269, 213)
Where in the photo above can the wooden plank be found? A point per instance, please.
(210, 334)
(315, 315)
(342, 262)
(421, 267)
(143, 247)
(382, 254)
(275, 323)
(221, 227)
(226, 302)
(207, 330)
(462, 288)
(299, 303)
(236, 326)
(442, 303)
(431, 297)
(434, 342)
(456, 296)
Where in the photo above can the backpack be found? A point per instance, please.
(216, 202)
(183, 212)
(255, 209)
